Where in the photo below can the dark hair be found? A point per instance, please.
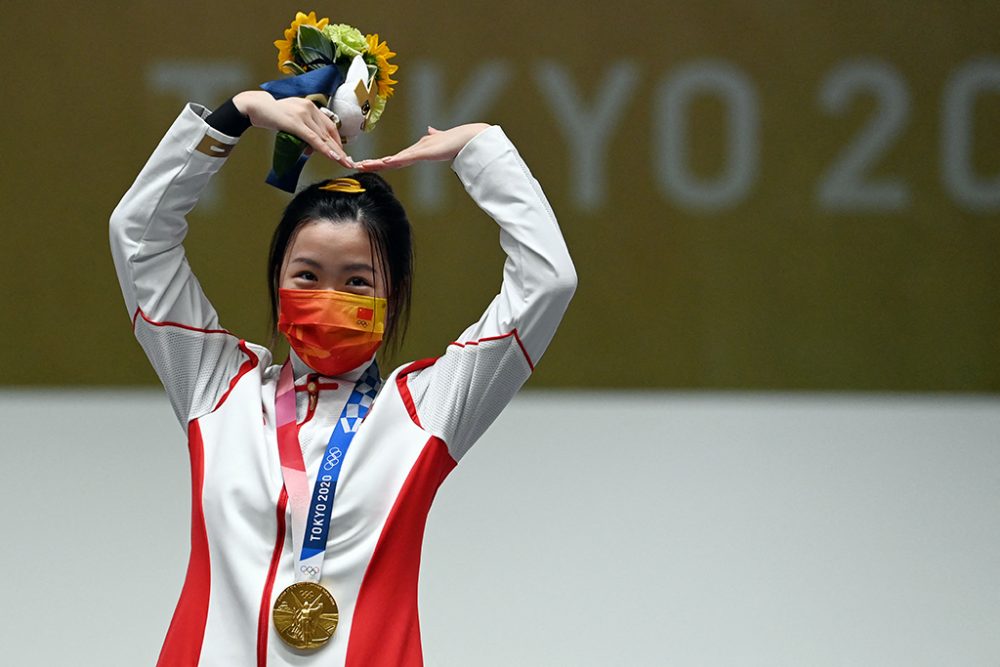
(388, 228)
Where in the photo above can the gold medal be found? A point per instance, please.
(305, 615)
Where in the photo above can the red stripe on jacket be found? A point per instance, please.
(264, 617)
(182, 647)
(385, 631)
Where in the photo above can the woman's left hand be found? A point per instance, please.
(435, 145)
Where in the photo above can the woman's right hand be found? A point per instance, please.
(296, 116)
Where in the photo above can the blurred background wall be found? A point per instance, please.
(756, 194)
(767, 432)
(672, 530)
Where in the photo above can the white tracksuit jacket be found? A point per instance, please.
(427, 415)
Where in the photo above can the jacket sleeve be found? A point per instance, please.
(462, 392)
(172, 319)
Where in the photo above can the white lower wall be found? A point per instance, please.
(584, 529)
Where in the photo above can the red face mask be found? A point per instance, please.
(332, 332)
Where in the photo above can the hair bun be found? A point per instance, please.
(372, 182)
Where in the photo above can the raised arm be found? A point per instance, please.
(462, 392)
(172, 319)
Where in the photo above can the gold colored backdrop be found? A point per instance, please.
(757, 195)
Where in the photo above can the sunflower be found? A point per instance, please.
(285, 45)
(381, 53)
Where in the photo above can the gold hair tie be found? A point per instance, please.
(343, 185)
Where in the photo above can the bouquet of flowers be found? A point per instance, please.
(345, 73)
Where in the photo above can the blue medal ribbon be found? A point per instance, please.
(325, 488)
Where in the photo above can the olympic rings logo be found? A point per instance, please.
(332, 458)
(311, 570)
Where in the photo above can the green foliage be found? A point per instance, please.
(314, 46)
(287, 149)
